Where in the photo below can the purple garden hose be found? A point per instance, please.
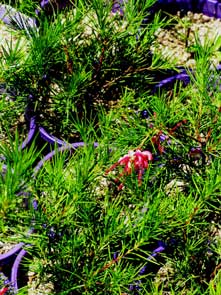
(211, 8)
(15, 269)
(25, 143)
(159, 249)
(28, 139)
(16, 265)
(66, 147)
(181, 77)
(155, 252)
(31, 133)
(170, 81)
(56, 141)
(6, 257)
(50, 138)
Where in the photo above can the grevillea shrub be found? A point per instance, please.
(83, 59)
(158, 232)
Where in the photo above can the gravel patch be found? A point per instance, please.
(9, 37)
(177, 42)
(5, 247)
(36, 284)
(36, 287)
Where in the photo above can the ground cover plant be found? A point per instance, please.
(136, 208)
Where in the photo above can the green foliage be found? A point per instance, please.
(14, 184)
(85, 57)
(90, 75)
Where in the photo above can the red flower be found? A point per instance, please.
(3, 290)
(137, 160)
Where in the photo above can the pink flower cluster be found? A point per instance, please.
(134, 160)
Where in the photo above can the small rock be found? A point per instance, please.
(206, 18)
(175, 186)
